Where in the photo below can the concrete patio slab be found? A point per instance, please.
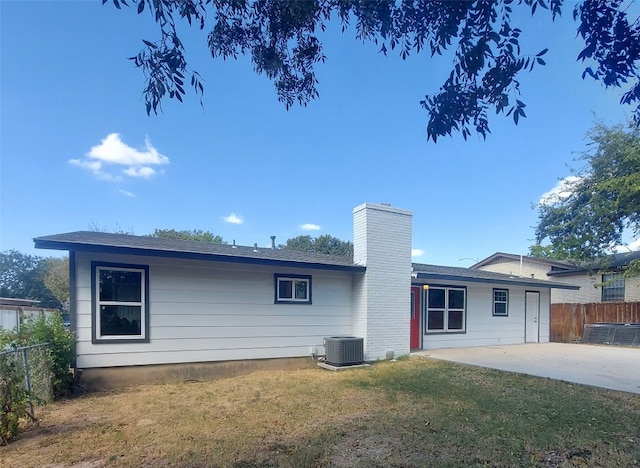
(609, 367)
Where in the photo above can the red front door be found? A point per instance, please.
(414, 341)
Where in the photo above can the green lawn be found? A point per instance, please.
(414, 412)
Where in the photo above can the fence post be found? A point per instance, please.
(27, 381)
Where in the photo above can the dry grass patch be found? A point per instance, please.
(413, 412)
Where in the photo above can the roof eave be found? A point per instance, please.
(466, 279)
(73, 246)
(589, 271)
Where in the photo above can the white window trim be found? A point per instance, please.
(293, 278)
(142, 337)
(505, 302)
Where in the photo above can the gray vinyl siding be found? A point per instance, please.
(207, 311)
(484, 329)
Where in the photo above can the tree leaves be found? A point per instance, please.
(324, 244)
(604, 201)
(196, 235)
(23, 276)
(613, 43)
(56, 279)
(281, 37)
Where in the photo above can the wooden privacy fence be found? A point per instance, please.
(568, 320)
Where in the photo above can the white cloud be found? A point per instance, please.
(631, 246)
(233, 219)
(96, 168)
(106, 160)
(126, 193)
(113, 151)
(417, 252)
(143, 172)
(563, 189)
(310, 227)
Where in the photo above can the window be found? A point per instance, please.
(292, 289)
(445, 309)
(120, 303)
(612, 287)
(501, 302)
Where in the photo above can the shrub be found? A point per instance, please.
(13, 399)
(49, 369)
(48, 329)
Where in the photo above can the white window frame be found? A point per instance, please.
(280, 278)
(445, 310)
(98, 304)
(505, 302)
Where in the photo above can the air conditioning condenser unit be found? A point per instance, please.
(344, 350)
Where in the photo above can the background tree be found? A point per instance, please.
(325, 244)
(197, 235)
(543, 251)
(300, 243)
(56, 279)
(282, 39)
(603, 202)
(95, 227)
(22, 276)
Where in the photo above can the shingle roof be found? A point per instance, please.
(142, 245)
(567, 268)
(12, 301)
(617, 261)
(445, 273)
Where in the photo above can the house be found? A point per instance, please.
(159, 307)
(600, 281)
(456, 307)
(14, 311)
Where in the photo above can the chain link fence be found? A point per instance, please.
(31, 364)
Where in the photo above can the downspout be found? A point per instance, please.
(73, 308)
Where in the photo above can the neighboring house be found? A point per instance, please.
(13, 312)
(142, 301)
(602, 281)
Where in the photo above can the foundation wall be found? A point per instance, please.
(109, 378)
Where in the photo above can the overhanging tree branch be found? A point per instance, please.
(281, 37)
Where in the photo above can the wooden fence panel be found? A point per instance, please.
(568, 320)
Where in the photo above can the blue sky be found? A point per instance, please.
(244, 167)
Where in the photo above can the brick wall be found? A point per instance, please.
(588, 293)
(382, 243)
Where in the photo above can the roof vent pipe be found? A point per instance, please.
(273, 242)
(255, 247)
(520, 275)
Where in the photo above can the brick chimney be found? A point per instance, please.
(382, 295)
